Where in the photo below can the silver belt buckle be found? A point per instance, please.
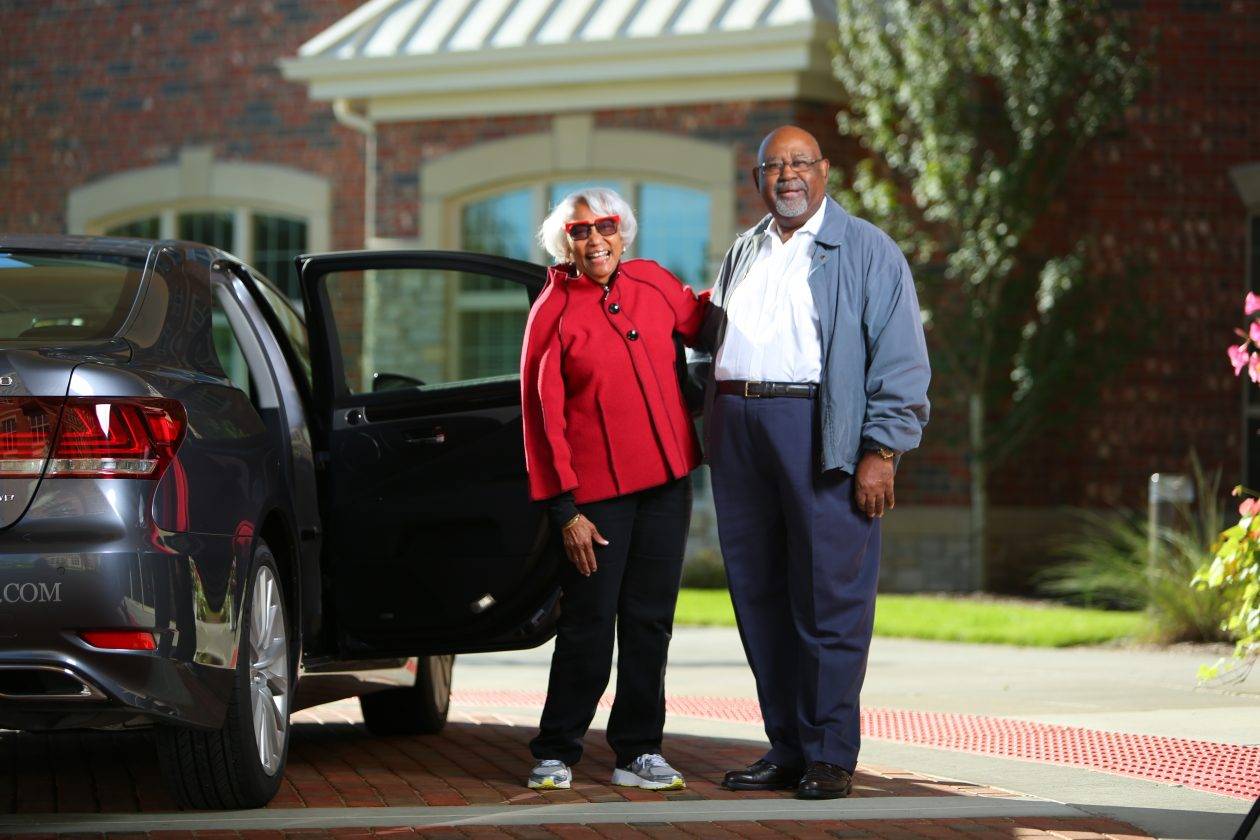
(748, 395)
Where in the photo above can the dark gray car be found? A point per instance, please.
(210, 519)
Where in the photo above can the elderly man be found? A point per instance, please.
(818, 385)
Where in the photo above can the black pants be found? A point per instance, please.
(632, 593)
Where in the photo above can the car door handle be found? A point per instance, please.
(431, 437)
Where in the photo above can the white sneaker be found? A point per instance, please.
(650, 772)
(550, 774)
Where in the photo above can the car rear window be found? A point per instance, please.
(45, 295)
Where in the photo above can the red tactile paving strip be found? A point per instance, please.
(954, 829)
(1228, 769)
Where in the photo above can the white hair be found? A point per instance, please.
(602, 201)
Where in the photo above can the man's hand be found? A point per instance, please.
(873, 485)
(579, 538)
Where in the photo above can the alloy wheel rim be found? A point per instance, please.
(268, 671)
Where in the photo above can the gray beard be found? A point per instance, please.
(790, 209)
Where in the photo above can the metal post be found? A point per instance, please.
(1165, 492)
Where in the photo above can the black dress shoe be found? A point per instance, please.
(762, 775)
(824, 781)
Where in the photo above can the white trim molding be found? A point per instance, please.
(198, 181)
(789, 61)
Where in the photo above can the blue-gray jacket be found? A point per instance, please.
(875, 368)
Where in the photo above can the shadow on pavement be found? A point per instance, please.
(1175, 824)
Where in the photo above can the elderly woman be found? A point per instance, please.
(609, 444)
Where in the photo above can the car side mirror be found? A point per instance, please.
(393, 381)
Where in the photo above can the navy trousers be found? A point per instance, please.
(802, 563)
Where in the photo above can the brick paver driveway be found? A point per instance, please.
(467, 782)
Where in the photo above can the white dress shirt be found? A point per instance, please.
(772, 332)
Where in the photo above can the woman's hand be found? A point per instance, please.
(579, 537)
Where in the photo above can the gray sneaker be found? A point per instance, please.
(650, 772)
(550, 774)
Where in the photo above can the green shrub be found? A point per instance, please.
(1110, 564)
(1234, 574)
(704, 569)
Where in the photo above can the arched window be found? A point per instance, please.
(674, 230)
(262, 213)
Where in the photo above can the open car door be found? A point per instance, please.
(431, 543)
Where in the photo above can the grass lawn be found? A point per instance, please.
(959, 619)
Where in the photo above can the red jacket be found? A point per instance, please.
(601, 405)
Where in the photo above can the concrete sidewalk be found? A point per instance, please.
(1151, 692)
(1140, 691)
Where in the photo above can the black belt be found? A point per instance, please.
(742, 388)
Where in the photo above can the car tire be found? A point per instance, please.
(413, 710)
(233, 767)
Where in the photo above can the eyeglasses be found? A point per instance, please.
(605, 225)
(798, 166)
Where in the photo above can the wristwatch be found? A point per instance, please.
(883, 452)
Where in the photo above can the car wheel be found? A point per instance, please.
(413, 710)
(241, 765)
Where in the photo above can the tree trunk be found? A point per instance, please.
(978, 573)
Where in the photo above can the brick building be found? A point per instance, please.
(274, 127)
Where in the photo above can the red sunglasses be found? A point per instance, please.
(605, 225)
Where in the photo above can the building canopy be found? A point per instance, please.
(409, 59)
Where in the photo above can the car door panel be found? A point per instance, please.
(432, 539)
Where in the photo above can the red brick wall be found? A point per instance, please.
(89, 89)
(1157, 193)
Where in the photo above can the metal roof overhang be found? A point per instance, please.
(780, 62)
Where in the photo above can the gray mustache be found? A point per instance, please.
(784, 186)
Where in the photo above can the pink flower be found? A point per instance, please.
(1251, 304)
(1253, 368)
(1238, 357)
(1249, 507)
(1253, 332)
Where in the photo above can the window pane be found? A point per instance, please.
(228, 347)
(277, 240)
(562, 188)
(674, 231)
(503, 225)
(294, 329)
(147, 228)
(213, 229)
(48, 295)
(490, 343)
(422, 327)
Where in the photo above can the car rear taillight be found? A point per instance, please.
(97, 437)
(27, 425)
(119, 639)
(116, 438)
